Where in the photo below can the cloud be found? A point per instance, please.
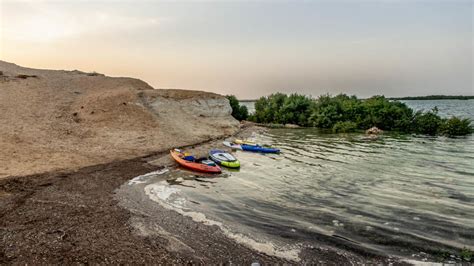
(43, 22)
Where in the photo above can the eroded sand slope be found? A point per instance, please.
(71, 119)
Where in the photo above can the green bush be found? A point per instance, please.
(427, 123)
(376, 111)
(244, 112)
(343, 113)
(466, 254)
(252, 118)
(326, 111)
(344, 127)
(385, 114)
(456, 127)
(295, 110)
(282, 109)
(239, 112)
(268, 109)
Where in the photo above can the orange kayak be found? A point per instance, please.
(205, 166)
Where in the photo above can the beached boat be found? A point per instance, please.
(244, 141)
(252, 148)
(224, 159)
(201, 165)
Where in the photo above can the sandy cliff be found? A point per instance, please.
(69, 119)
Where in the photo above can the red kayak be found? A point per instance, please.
(201, 165)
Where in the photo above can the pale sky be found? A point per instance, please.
(252, 48)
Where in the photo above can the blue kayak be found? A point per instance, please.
(257, 148)
(252, 148)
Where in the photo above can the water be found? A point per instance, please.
(400, 195)
(250, 106)
(446, 108)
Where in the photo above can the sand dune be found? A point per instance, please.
(54, 119)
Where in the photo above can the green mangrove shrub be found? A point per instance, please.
(343, 113)
(344, 127)
(427, 123)
(467, 254)
(456, 127)
(239, 112)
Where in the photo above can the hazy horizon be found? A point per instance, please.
(252, 48)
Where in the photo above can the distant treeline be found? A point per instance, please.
(247, 100)
(434, 97)
(343, 113)
(428, 97)
(239, 112)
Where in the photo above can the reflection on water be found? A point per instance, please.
(398, 194)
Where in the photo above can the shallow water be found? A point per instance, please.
(400, 195)
(446, 108)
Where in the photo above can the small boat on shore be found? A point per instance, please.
(258, 148)
(232, 145)
(201, 164)
(244, 141)
(252, 148)
(224, 159)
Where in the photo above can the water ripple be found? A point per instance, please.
(396, 194)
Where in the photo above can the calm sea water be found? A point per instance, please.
(401, 195)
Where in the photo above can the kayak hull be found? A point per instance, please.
(232, 145)
(224, 159)
(252, 148)
(234, 164)
(195, 166)
(260, 149)
(247, 142)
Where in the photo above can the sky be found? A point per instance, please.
(252, 48)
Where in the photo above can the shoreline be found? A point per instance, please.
(73, 217)
(76, 217)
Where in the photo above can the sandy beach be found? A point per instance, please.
(90, 216)
(73, 217)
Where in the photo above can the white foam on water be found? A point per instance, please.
(170, 198)
(425, 263)
(143, 178)
(162, 192)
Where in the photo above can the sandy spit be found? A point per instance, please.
(55, 120)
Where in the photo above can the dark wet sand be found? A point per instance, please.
(74, 217)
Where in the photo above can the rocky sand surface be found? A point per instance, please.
(74, 217)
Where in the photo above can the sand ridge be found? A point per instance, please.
(56, 119)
